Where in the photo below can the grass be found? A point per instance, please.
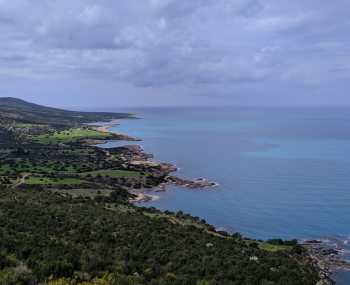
(274, 248)
(35, 180)
(270, 247)
(113, 173)
(71, 135)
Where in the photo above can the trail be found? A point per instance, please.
(21, 180)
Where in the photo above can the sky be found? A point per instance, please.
(116, 53)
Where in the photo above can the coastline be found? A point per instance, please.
(324, 265)
(329, 259)
(141, 197)
(147, 160)
(104, 129)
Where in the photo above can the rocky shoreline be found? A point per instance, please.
(326, 259)
(143, 198)
(140, 158)
(193, 184)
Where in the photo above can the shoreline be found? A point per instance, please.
(196, 183)
(142, 197)
(103, 129)
(324, 265)
(328, 258)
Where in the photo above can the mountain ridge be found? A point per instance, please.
(11, 107)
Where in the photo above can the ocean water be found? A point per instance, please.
(283, 172)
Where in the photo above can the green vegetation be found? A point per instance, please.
(33, 180)
(271, 246)
(5, 168)
(28, 167)
(71, 135)
(29, 113)
(66, 219)
(83, 240)
(112, 173)
(274, 248)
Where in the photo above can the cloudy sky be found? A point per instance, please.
(175, 52)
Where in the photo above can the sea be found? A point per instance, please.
(283, 172)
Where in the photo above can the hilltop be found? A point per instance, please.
(26, 112)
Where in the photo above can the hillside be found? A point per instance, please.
(66, 216)
(25, 112)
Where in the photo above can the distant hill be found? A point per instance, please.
(26, 112)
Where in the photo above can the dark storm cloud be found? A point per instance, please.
(156, 43)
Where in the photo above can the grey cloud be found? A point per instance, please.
(158, 43)
(181, 9)
(13, 58)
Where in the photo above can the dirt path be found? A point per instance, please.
(21, 180)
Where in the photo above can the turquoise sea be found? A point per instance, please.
(283, 172)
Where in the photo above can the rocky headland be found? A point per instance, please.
(327, 259)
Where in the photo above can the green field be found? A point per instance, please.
(34, 180)
(71, 135)
(113, 173)
(274, 248)
(269, 247)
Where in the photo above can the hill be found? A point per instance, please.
(25, 112)
(67, 217)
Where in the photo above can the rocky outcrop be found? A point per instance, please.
(326, 260)
(325, 282)
(196, 183)
(123, 137)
